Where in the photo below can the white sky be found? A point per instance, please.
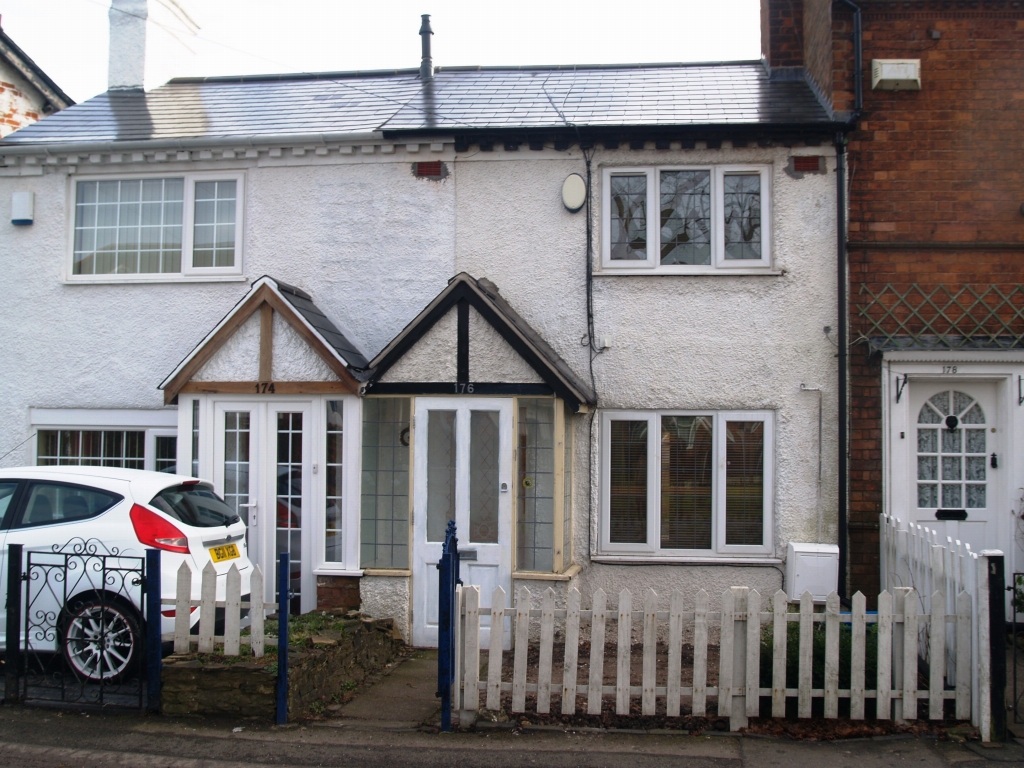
(68, 38)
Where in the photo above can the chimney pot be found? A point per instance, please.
(426, 64)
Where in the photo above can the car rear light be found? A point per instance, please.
(152, 530)
(170, 614)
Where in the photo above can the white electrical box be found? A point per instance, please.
(23, 206)
(812, 568)
(896, 74)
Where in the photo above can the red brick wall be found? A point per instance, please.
(782, 40)
(817, 37)
(337, 592)
(940, 165)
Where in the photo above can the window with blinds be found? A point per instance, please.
(678, 483)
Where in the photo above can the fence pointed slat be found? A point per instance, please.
(910, 656)
(471, 697)
(753, 682)
(963, 656)
(937, 655)
(547, 634)
(572, 643)
(522, 638)
(625, 636)
(700, 655)
(257, 611)
(494, 656)
(183, 609)
(207, 608)
(650, 668)
(597, 626)
(232, 611)
(883, 686)
(858, 649)
(725, 659)
(832, 655)
(899, 641)
(675, 653)
(780, 635)
(460, 629)
(806, 650)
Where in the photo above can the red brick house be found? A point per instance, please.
(935, 254)
(27, 93)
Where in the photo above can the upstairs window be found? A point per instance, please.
(153, 228)
(686, 219)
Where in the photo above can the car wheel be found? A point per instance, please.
(102, 639)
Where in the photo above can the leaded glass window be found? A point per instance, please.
(742, 202)
(685, 217)
(384, 499)
(629, 217)
(333, 552)
(535, 516)
(951, 453)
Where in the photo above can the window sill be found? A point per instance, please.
(386, 572)
(537, 576)
(705, 272)
(715, 560)
(150, 279)
(335, 572)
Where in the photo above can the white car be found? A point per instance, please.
(62, 514)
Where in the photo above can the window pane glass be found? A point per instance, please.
(384, 502)
(744, 483)
(629, 217)
(214, 227)
(54, 503)
(7, 490)
(685, 217)
(236, 462)
(335, 451)
(116, 221)
(484, 454)
(567, 502)
(687, 469)
(73, 447)
(535, 514)
(195, 438)
(742, 199)
(166, 454)
(440, 472)
(628, 482)
(289, 500)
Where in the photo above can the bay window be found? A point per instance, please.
(680, 483)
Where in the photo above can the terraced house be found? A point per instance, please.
(589, 313)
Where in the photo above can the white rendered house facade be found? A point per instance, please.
(362, 326)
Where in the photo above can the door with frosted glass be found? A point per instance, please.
(463, 472)
(954, 434)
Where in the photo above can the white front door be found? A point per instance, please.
(462, 472)
(263, 468)
(952, 440)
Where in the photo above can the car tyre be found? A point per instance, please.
(102, 639)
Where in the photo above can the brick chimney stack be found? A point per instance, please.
(796, 42)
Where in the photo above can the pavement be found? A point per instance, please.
(384, 726)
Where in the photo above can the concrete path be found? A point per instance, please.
(405, 698)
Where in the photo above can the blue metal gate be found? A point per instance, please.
(448, 576)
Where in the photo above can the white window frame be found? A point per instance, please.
(719, 264)
(188, 272)
(652, 548)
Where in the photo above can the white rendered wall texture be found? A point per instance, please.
(373, 245)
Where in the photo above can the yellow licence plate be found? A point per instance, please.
(227, 552)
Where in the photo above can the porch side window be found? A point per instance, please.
(195, 438)
(677, 484)
(91, 448)
(384, 507)
(333, 552)
(567, 491)
(535, 515)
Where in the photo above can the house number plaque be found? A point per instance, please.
(264, 387)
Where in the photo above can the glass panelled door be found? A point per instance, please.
(953, 446)
(463, 472)
(234, 473)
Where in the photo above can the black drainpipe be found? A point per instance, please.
(841, 297)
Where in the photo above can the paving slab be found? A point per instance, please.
(404, 698)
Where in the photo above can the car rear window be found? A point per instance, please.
(195, 505)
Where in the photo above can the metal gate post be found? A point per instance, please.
(284, 584)
(154, 629)
(12, 656)
(997, 640)
(448, 577)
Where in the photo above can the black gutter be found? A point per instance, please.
(841, 302)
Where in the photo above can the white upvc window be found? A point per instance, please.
(687, 483)
(146, 228)
(686, 219)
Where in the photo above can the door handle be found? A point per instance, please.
(253, 520)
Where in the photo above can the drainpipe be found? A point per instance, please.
(841, 296)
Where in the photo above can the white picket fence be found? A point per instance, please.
(918, 557)
(740, 620)
(233, 606)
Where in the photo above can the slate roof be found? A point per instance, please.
(302, 302)
(457, 99)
